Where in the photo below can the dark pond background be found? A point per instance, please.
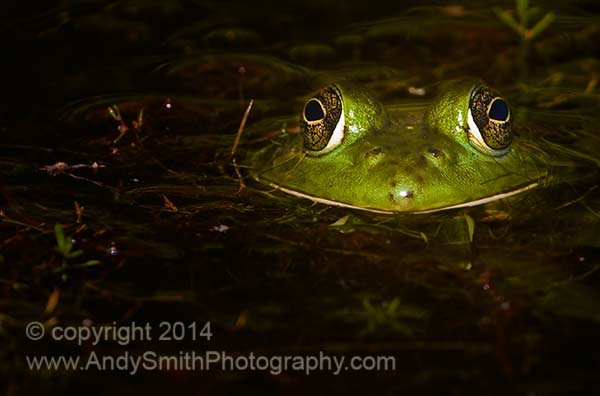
(500, 299)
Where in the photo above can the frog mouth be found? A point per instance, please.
(485, 200)
(476, 202)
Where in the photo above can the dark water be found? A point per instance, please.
(500, 299)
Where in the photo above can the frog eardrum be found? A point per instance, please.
(489, 122)
(322, 122)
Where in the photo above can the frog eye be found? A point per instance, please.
(489, 121)
(322, 121)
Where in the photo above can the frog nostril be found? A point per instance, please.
(435, 152)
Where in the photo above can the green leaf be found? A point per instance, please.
(67, 245)
(60, 237)
(470, 226)
(542, 25)
(393, 305)
(510, 21)
(340, 222)
(74, 254)
(522, 10)
(89, 263)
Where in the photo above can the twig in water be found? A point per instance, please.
(236, 143)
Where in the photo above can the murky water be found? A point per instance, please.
(497, 299)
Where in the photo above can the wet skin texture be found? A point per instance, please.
(460, 151)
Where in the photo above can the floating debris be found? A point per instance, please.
(220, 228)
(78, 211)
(168, 204)
(235, 144)
(416, 91)
(62, 167)
(52, 301)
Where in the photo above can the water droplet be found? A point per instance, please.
(112, 250)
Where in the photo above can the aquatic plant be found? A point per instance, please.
(64, 244)
(64, 247)
(525, 13)
(136, 124)
(522, 26)
(393, 316)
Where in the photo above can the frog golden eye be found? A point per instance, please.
(489, 121)
(322, 121)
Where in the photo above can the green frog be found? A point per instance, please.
(461, 150)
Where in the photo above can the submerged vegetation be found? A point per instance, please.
(492, 299)
(523, 26)
(64, 247)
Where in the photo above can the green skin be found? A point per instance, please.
(397, 161)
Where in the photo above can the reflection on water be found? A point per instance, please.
(502, 297)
